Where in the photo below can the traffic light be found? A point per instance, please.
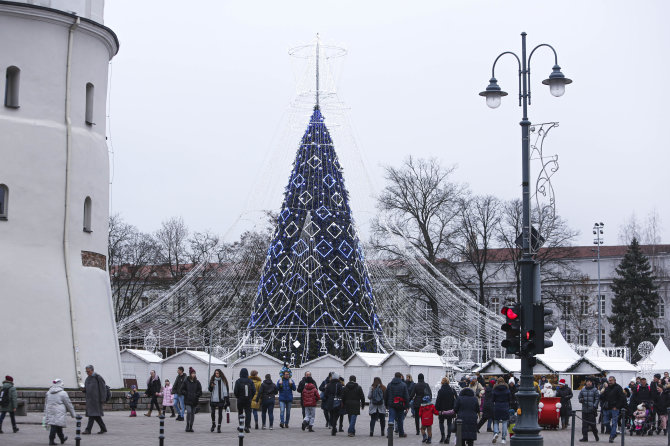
(533, 342)
(512, 329)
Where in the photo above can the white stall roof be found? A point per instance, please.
(599, 359)
(258, 358)
(371, 359)
(660, 356)
(498, 366)
(326, 360)
(144, 355)
(417, 358)
(560, 356)
(200, 356)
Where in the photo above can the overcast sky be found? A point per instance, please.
(199, 89)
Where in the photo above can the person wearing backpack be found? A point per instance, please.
(96, 395)
(377, 408)
(244, 391)
(266, 399)
(397, 398)
(333, 394)
(8, 402)
(419, 390)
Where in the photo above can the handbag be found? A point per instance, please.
(448, 413)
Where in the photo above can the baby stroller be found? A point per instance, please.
(642, 421)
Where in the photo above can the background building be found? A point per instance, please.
(54, 191)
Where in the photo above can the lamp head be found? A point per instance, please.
(493, 93)
(557, 82)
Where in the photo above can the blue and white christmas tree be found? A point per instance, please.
(315, 296)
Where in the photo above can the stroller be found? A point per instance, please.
(642, 421)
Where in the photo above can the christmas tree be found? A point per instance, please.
(635, 303)
(315, 296)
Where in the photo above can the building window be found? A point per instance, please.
(583, 337)
(661, 308)
(658, 333)
(602, 304)
(584, 305)
(87, 214)
(4, 198)
(602, 337)
(90, 90)
(568, 335)
(567, 306)
(12, 77)
(495, 304)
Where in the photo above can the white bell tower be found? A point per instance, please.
(56, 312)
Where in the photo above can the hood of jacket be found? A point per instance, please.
(309, 380)
(7, 384)
(268, 381)
(256, 379)
(309, 386)
(396, 381)
(500, 387)
(244, 373)
(55, 389)
(467, 392)
(351, 385)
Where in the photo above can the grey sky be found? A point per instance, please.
(199, 88)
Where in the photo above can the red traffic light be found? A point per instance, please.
(509, 313)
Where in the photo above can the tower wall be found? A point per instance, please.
(42, 320)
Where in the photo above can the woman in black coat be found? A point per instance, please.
(501, 398)
(487, 407)
(564, 392)
(467, 409)
(446, 398)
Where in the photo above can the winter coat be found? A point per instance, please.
(178, 384)
(427, 413)
(192, 391)
(333, 390)
(501, 399)
(96, 394)
(267, 391)
(220, 392)
(410, 388)
(168, 399)
(446, 398)
(565, 394)
(255, 404)
(303, 382)
(286, 388)
(244, 389)
(589, 397)
(487, 402)
(322, 389)
(153, 386)
(376, 408)
(613, 397)
(13, 400)
(56, 404)
(641, 394)
(353, 398)
(397, 389)
(133, 398)
(477, 390)
(419, 390)
(310, 395)
(467, 409)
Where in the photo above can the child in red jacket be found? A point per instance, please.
(309, 398)
(426, 412)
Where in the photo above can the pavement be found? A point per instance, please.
(140, 431)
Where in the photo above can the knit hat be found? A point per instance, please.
(420, 377)
(191, 370)
(335, 376)
(493, 381)
(640, 407)
(561, 382)
(57, 382)
(511, 381)
(426, 399)
(133, 387)
(9, 378)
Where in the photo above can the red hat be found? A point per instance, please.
(191, 370)
(561, 381)
(493, 381)
(9, 378)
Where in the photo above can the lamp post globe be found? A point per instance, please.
(493, 93)
(557, 82)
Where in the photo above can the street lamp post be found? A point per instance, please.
(527, 430)
(598, 240)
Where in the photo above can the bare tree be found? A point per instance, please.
(203, 246)
(172, 240)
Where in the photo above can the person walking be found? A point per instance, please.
(377, 408)
(397, 401)
(192, 391)
(133, 397)
(168, 398)
(255, 404)
(324, 398)
(353, 399)
(613, 400)
(286, 386)
(56, 404)
(444, 403)
(265, 397)
(176, 391)
(564, 392)
(308, 399)
(467, 410)
(334, 397)
(419, 390)
(8, 402)
(501, 398)
(153, 390)
(301, 386)
(219, 400)
(244, 392)
(409, 382)
(96, 395)
(427, 412)
(486, 406)
(663, 404)
(589, 397)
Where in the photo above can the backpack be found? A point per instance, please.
(377, 396)
(337, 399)
(398, 403)
(4, 397)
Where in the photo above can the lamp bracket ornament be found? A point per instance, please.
(544, 195)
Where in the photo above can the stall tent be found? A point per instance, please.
(321, 366)
(659, 359)
(262, 362)
(200, 361)
(596, 360)
(558, 357)
(365, 366)
(136, 365)
(430, 364)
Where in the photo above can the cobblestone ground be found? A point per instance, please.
(125, 431)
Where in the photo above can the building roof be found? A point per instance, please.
(599, 359)
(417, 358)
(371, 359)
(322, 358)
(560, 356)
(200, 356)
(660, 356)
(258, 354)
(144, 355)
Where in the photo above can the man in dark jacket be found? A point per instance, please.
(176, 391)
(96, 395)
(324, 399)
(244, 391)
(353, 399)
(333, 395)
(397, 400)
(446, 397)
(613, 401)
(419, 390)
(589, 397)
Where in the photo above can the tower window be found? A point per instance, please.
(87, 214)
(12, 77)
(90, 90)
(4, 197)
